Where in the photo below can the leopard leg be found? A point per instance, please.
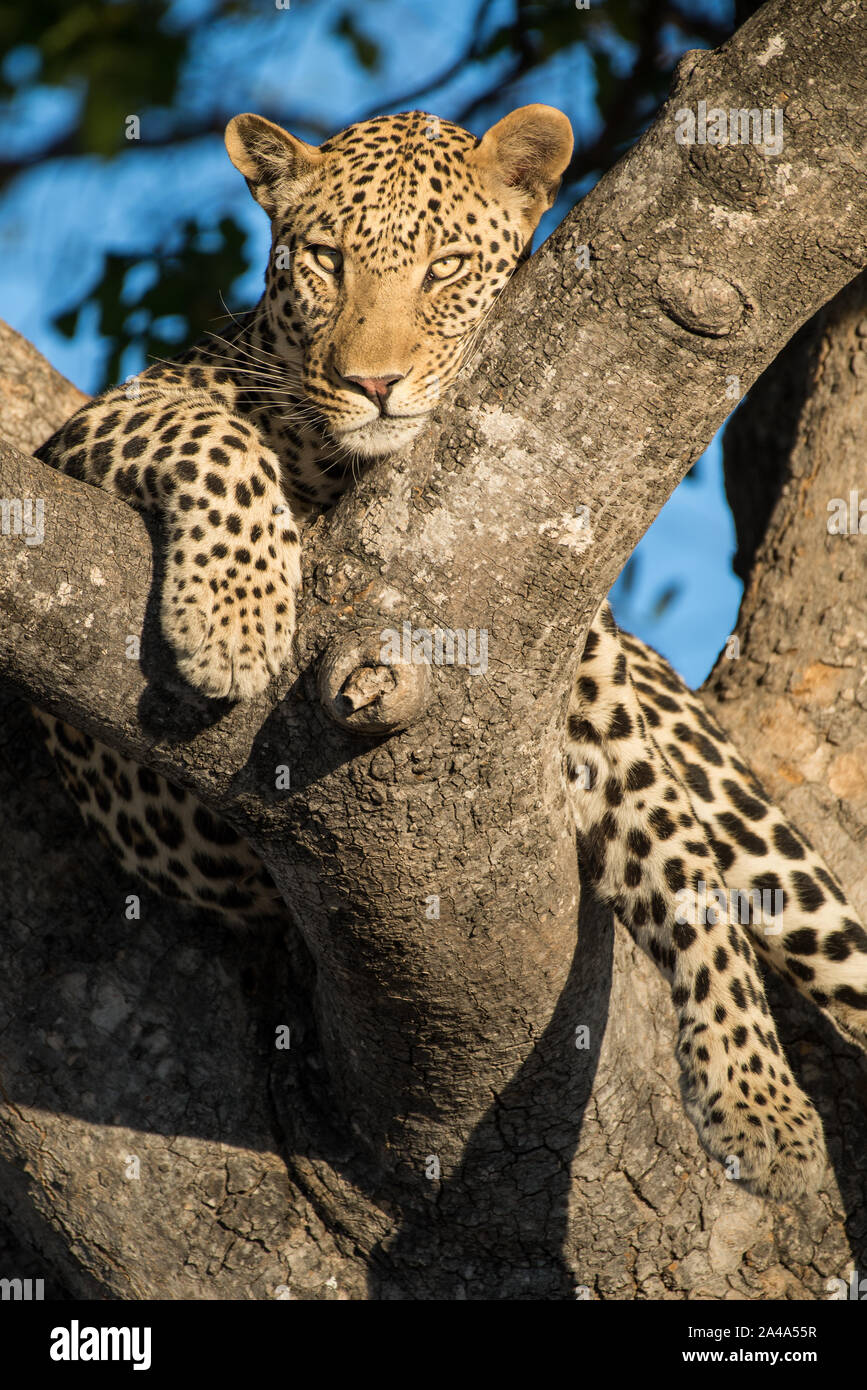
(643, 848)
(159, 831)
(796, 911)
(232, 540)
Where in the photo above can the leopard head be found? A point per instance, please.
(390, 242)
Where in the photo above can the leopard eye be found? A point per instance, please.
(327, 258)
(445, 267)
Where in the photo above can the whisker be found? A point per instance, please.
(244, 327)
(241, 344)
(253, 355)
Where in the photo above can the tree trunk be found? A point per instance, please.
(433, 1130)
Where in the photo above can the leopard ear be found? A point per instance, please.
(270, 159)
(528, 150)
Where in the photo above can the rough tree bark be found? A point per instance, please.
(413, 1038)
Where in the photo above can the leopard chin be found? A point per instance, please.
(380, 437)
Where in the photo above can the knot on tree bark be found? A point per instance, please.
(370, 690)
(699, 300)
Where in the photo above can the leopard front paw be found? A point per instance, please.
(774, 1146)
(231, 628)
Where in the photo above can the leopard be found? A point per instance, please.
(390, 244)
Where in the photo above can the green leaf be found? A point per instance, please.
(366, 50)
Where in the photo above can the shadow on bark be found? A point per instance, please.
(764, 428)
(498, 1228)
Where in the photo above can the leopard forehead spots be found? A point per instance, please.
(396, 187)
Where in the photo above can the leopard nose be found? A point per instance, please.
(376, 388)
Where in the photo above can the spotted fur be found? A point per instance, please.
(389, 244)
(678, 835)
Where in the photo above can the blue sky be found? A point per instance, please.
(58, 220)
